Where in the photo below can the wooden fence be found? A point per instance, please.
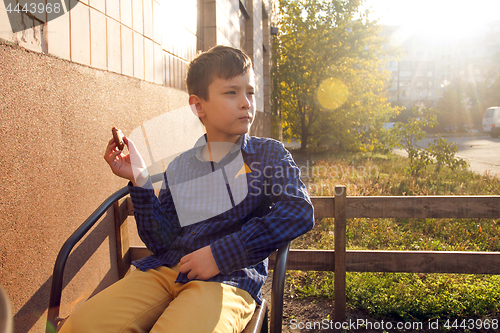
(340, 261)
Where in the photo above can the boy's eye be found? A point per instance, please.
(231, 92)
(251, 93)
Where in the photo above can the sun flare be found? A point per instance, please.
(435, 18)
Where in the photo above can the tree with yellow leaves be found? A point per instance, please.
(329, 84)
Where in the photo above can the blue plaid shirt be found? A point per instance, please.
(275, 210)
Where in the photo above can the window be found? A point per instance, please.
(489, 113)
(405, 65)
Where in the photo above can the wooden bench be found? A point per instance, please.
(339, 260)
(125, 254)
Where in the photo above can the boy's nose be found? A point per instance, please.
(245, 103)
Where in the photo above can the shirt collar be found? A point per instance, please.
(244, 143)
(247, 145)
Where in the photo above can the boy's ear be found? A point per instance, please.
(197, 106)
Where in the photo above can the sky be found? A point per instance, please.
(446, 17)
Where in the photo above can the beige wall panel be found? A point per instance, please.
(228, 23)
(190, 18)
(234, 16)
(80, 34)
(148, 18)
(209, 13)
(149, 60)
(137, 16)
(210, 34)
(168, 69)
(58, 37)
(100, 5)
(138, 56)
(159, 63)
(113, 9)
(158, 22)
(127, 49)
(55, 119)
(191, 48)
(126, 12)
(222, 39)
(98, 52)
(114, 45)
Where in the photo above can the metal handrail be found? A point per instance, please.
(62, 257)
(6, 325)
(278, 288)
(57, 275)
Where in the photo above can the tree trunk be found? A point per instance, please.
(304, 129)
(303, 143)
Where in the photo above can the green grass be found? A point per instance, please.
(402, 295)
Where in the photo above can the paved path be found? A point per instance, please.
(481, 152)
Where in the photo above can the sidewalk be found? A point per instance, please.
(478, 167)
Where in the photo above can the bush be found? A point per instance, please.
(444, 153)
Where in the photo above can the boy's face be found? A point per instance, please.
(230, 109)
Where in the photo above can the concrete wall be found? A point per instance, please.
(63, 84)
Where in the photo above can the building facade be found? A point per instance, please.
(65, 82)
(429, 63)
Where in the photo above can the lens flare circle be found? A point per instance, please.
(332, 93)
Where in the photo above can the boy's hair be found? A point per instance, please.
(220, 62)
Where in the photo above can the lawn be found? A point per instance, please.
(401, 295)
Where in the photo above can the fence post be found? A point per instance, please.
(340, 251)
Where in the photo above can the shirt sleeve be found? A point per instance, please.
(291, 215)
(156, 218)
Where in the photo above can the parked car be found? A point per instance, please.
(491, 121)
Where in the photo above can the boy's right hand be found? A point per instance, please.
(131, 166)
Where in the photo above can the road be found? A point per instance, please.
(481, 152)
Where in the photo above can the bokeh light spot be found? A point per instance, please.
(332, 93)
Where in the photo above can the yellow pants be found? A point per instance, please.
(151, 301)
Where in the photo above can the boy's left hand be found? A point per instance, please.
(199, 264)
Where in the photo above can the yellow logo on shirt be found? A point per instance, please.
(243, 171)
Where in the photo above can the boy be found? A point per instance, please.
(225, 206)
